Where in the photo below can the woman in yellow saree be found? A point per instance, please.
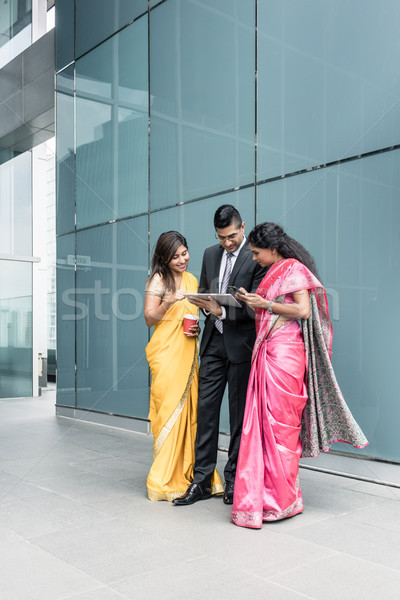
(173, 359)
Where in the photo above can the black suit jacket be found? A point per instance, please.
(239, 328)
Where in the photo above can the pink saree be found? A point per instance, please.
(294, 406)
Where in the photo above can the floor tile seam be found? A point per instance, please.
(61, 531)
(71, 475)
(308, 563)
(85, 500)
(354, 511)
(45, 479)
(153, 571)
(357, 522)
(77, 528)
(74, 475)
(246, 571)
(23, 499)
(20, 537)
(168, 538)
(9, 495)
(394, 497)
(42, 457)
(357, 557)
(289, 589)
(102, 587)
(91, 502)
(295, 534)
(376, 527)
(370, 562)
(67, 562)
(101, 584)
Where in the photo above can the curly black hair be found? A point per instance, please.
(271, 235)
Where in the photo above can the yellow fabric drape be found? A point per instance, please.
(173, 361)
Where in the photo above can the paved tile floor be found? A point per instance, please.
(75, 523)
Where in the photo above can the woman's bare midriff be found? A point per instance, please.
(280, 321)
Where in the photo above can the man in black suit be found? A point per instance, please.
(225, 351)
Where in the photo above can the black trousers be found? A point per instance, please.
(215, 372)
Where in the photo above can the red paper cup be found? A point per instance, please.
(188, 321)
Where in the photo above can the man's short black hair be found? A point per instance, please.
(227, 215)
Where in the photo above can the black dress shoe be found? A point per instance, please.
(193, 494)
(228, 494)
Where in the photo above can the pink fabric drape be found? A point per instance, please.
(267, 483)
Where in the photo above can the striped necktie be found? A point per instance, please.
(224, 285)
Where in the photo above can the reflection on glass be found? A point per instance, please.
(105, 18)
(15, 28)
(66, 320)
(326, 89)
(16, 206)
(347, 216)
(65, 151)
(15, 329)
(112, 373)
(64, 17)
(202, 99)
(112, 128)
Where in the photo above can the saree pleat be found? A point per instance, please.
(266, 484)
(294, 405)
(173, 361)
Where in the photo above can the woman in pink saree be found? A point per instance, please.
(294, 406)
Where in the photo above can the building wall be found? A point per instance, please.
(16, 259)
(289, 110)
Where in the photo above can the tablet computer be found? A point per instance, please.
(223, 299)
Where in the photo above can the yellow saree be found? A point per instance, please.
(173, 361)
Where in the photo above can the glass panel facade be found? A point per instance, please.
(65, 151)
(15, 28)
(15, 329)
(325, 91)
(112, 128)
(347, 216)
(105, 18)
(202, 99)
(16, 206)
(112, 373)
(162, 145)
(65, 38)
(66, 301)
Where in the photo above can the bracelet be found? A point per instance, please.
(269, 309)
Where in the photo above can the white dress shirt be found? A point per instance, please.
(222, 270)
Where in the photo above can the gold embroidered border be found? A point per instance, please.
(291, 511)
(154, 496)
(247, 518)
(217, 489)
(158, 443)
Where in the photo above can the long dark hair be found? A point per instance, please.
(270, 235)
(167, 244)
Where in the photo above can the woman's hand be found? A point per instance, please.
(179, 295)
(252, 300)
(194, 330)
(155, 308)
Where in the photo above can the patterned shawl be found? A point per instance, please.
(326, 417)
